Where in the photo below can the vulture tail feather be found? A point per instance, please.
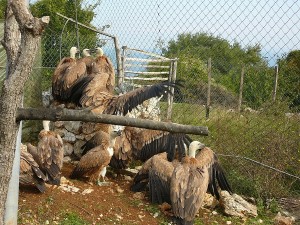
(180, 221)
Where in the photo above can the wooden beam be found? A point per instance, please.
(88, 116)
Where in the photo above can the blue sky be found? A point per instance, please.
(139, 24)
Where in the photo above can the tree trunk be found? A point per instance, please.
(21, 40)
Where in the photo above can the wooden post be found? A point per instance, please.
(241, 89)
(208, 87)
(123, 61)
(172, 78)
(275, 83)
(118, 58)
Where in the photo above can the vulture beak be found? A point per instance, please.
(77, 51)
(119, 132)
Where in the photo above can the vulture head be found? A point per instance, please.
(86, 52)
(73, 52)
(195, 146)
(116, 130)
(99, 52)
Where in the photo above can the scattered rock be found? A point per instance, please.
(128, 178)
(73, 126)
(120, 190)
(228, 222)
(235, 205)
(69, 137)
(210, 201)
(87, 191)
(138, 195)
(67, 159)
(68, 149)
(283, 220)
(118, 217)
(156, 214)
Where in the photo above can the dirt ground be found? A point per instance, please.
(113, 204)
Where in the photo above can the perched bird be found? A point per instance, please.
(30, 173)
(66, 69)
(94, 163)
(49, 153)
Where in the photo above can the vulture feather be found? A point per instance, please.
(49, 154)
(93, 164)
(30, 173)
(142, 144)
(182, 184)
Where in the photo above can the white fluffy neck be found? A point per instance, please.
(73, 51)
(99, 52)
(112, 142)
(46, 124)
(192, 152)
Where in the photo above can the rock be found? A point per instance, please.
(68, 149)
(58, 124)
(73, 126)
(77, 148)
(235, 205)
(290, 207)
(283, 220)
(69, 137)
(210, 201)
(138, 195)
(120, 190)
(87, 191)
(67, 159)
(128, 178)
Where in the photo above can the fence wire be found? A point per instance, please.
(257, 39)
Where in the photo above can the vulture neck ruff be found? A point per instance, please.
(73, 52)
(46, 125)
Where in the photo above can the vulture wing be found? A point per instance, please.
(208, 158)
(187, 190)
(104, 65)
(160, 174)
(65, 76)
(123, 104)
(30, 172)
(50, 152)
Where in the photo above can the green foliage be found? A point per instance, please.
(289, 79)
(71, 218)
(267, 136)
(194, 50)
(2, 8)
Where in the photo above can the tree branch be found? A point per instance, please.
(88, 116)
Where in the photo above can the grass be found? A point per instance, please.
(268, 137)
(71, 218)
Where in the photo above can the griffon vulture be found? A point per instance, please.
(49, 153)
(30, 173)
(68, 71)
(141, 144)
(182, 184)
(94, 163)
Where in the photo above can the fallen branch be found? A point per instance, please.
(88, 116)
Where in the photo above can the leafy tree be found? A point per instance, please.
(52, 37)
(2, 8)
(194, 50)
(289, 79)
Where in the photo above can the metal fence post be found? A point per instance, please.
(208, 87)
(241, 89)
(275, 83)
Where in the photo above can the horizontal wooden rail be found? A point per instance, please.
(88, 116)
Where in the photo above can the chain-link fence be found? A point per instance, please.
(239, 60)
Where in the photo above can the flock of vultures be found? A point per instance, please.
(176, 169)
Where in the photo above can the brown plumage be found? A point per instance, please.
(93, 164)
(142, 144)
(182, 184)
(49, 154)
(30, 173)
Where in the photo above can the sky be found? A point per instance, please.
(140, 24)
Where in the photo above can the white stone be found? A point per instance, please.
(73, 126)
(69, 137)
(68, 149)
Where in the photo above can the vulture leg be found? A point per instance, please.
(102, 175)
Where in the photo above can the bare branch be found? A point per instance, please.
(88, 116)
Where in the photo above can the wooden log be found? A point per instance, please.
(88, 116)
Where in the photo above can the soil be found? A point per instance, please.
(112, 204)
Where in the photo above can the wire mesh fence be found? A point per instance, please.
(256, 41)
